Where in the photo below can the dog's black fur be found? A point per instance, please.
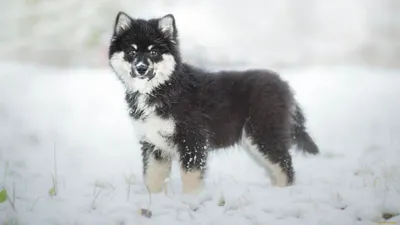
(215, 110)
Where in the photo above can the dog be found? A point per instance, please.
(183, 112)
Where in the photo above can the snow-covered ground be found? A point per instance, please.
(80, 114)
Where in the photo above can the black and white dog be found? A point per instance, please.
(184, 111)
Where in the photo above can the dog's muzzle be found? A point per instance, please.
(141, 69)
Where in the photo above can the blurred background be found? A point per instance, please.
(267, 33)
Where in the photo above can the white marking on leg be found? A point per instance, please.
(156, 173)
(192, 181)
(278, 177)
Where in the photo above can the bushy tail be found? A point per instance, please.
(300, 136)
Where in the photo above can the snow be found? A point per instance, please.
(81, 114)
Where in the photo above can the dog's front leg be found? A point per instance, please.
(193, 160)
(156, 166)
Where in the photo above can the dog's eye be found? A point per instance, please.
(153, 52)
(132, 52)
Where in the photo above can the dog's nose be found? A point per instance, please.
(142, 68)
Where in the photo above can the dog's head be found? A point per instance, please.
(144, 53)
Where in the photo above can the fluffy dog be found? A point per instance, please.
(182, 111)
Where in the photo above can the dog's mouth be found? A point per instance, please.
(148, 75)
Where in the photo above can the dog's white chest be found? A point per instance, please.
(157, 131)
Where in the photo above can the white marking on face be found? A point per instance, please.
(134, 46)
(278, 177)
(156, 174)
(123, 69)
(138, 65)
(150, 47)
(151, 66)
(162, 70)
(192, 181)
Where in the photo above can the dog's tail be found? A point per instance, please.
(300, 136)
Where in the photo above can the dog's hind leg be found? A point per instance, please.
(156, 167)
(271, 151)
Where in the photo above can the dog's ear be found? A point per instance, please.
(122, 22)
(167, 25)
